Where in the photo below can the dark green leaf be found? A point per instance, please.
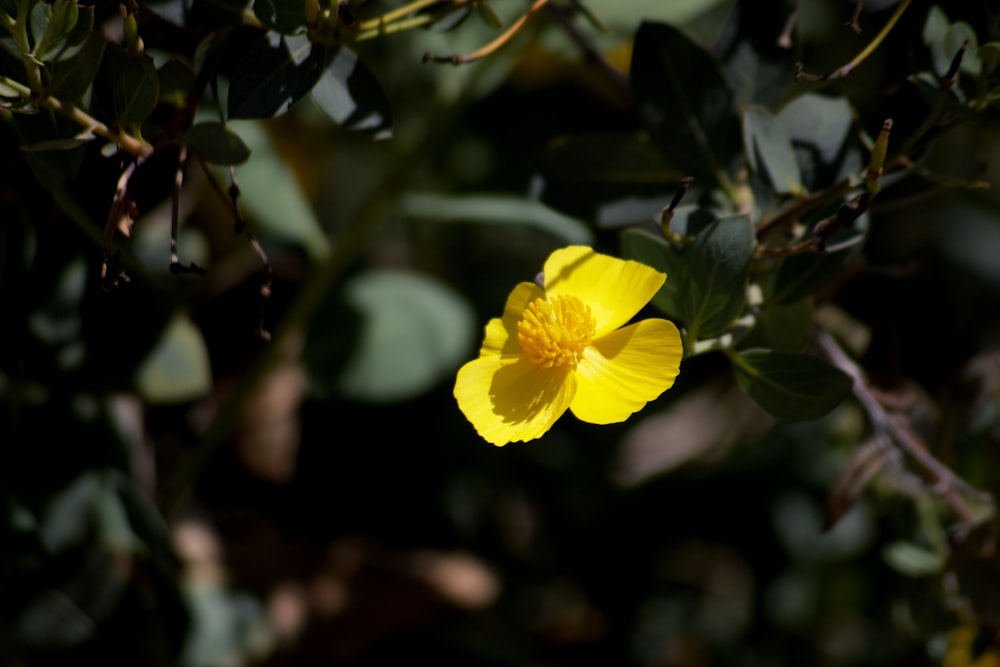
(351, 95)
(274, 74)
(801, 275)
(614, 179)
(216, 143)
(653, 250)
(790, 386)
(199, 14)
(126, 88)
(685, 103)
(717, 265)
(783, 327)
(70, 78)
(769, 151)
(414, 332)
(177, 82)
(285, 16)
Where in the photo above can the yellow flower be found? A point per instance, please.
(561, 347)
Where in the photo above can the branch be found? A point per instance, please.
(888, 428)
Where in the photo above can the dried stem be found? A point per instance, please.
(952, 488)
(515, 27)
(843, 71)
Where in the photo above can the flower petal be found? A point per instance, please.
(507, 402)
(615, 289)
(623, 371)
(501, 333)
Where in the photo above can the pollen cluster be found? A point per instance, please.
(555, 332)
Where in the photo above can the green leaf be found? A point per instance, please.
(350, 94)
(944, 39)
(913, 560)
(614, 179)
(821, 129)
(272, 198)
(495, 209)
(56, 21)
(177, 369)
(177, 82)
(126, 88)
(769, 151)
(69, 79)
(285, 16)
(685, 103)
(790, 386)
(653, 250)
(274, 74)
(799, 276)
(785, 327)
(717, 266)
(414, 332)
(74, 39)
(215, 143)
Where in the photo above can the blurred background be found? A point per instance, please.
(176, 490)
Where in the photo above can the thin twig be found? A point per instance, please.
(176, 267)
(843, 71)
(945, 482)
(515, 27)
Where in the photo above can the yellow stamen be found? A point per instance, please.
(555, 332)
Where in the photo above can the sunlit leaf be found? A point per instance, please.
(790, 386)
(414, 332)
(177, 368)
(350, 94)
(820, 127)
(274, 74)
(215, 143)
(685, 103)
(495, 209)
(769, 151)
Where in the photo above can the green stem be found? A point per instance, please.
(387, 29)
(126, 142)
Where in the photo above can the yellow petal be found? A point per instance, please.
(621, 372)
(501, 333)
(507, 402)
(615, 289)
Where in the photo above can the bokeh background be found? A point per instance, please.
(177, 491)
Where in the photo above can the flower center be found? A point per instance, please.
(555, 332)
